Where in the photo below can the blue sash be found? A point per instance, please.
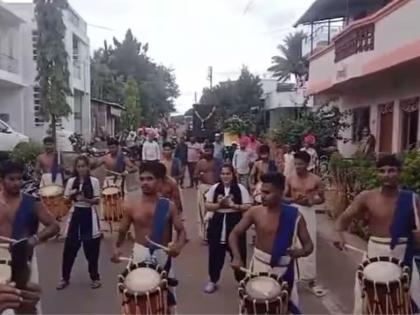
(217, 169)
(159, 222)
(26, 222)
(272, 167)
(55, 168)
(120, 165)
(175, 167)
(403, 225)
(282, 242)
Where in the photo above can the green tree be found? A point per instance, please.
(237, 97)
(129, 59)
(290, 63)
(52, 64)
(131, 116)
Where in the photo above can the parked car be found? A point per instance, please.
(10, 138)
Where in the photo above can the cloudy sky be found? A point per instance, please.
(190, 35)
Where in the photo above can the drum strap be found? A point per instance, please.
(159, 222)
(25, 220)
(55, 168)
(120, 163)
(285, 233)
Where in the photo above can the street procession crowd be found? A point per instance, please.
(255, 188)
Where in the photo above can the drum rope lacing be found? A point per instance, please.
(403, 300)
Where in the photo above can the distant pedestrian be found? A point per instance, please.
(241, 163)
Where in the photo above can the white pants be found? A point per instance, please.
(201, 210)
(260, 262)
(375, 249)
(307, 265)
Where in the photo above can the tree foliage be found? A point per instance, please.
(324, 123)
(113, 66)
(237, 97)
(131, 116)
(52, 60)
(290, 63)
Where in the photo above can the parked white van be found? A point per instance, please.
(9, 138)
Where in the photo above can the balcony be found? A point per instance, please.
(319, 37)
(8, 63)
(387, 38)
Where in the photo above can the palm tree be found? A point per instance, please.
(290, 63)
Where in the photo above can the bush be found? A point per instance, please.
(26, 152)
(410, 176)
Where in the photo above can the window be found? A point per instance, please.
(361, 119)
(409, 123)
(35, 45)
(38, 119)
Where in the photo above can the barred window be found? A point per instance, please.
(35, 44)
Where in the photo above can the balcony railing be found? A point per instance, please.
(356, 41)
(8, 63)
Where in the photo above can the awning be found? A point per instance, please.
(322, 10)
(115, 111)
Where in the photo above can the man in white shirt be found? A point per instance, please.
(151, 150)
(289, 161)
(241, 162)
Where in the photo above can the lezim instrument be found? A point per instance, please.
(52, 196)
(143, 288)
(385, 283)
(263, 293)
(112, 204)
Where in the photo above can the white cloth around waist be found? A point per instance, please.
(260, 262)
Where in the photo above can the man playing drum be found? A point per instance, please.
(305, 190)
(153, 218)
(263, 166)
(48, 165)
(393, 220)
(207, 172)
(278, 226)
(116, 165)
(20, 214)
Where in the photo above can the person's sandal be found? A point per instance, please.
(62, 285)
(96, 284)
(317, 290)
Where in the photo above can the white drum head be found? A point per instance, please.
(263, 288)
(142, 280)
(109, 191)
(51, 191)
(382, 271)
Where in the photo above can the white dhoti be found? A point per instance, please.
(47, 180)
(201, 210)
(256, 194)
(380, 246)
(260, 262)
(34, 278)
(307, 265)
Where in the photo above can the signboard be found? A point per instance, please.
(115, 112)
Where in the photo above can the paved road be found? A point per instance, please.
(336, 272)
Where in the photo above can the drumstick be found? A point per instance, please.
(166, 249)
(115, 173)
(360, 251)
(125, 259)
(246, 271)
(6, 239)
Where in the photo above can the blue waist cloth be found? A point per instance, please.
(26, 221)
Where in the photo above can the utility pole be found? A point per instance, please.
(210, 76)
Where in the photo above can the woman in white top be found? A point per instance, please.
(83, 224)
(225, 202)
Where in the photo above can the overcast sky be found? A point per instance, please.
(190, 35)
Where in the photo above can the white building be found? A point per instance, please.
(282, 100)
(371, 68)
(19, 94)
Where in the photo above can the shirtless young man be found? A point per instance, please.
(207, 173)
(263, 166)
(278, 226)
(169, 187)
(305, 190)
(47, 165)
(393, 223)
(116, 165)
(148, 214)
(20, 215)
